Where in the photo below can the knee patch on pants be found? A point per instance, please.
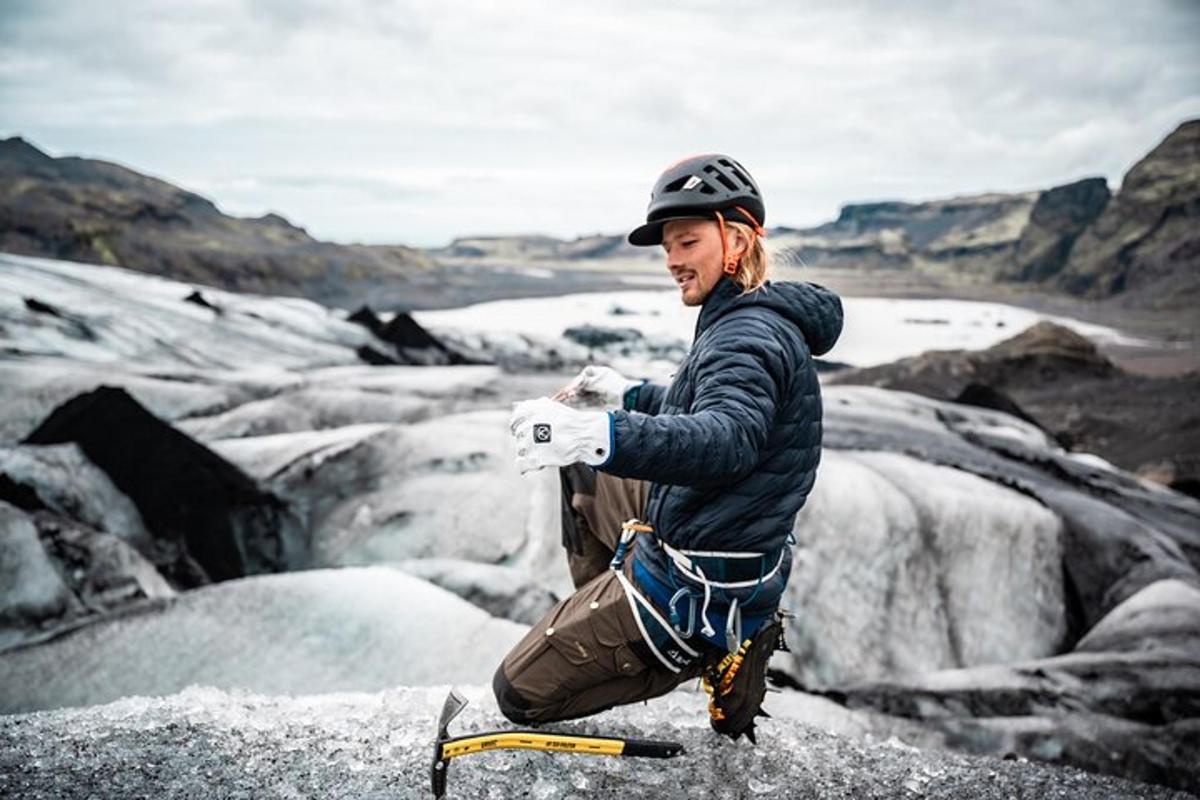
(512, 705)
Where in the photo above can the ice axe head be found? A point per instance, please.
(453, 706)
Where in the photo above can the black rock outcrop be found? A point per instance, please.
(981, 395)
(597, 336)
(1146, 244)
(410, 342)
(196, 298)
(1057, 377)
(19, 495)
(369, 355)
(1058, 217)
(211, 521)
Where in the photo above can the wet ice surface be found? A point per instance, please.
(298, 633)
(113, 314)
(877, 331)
(206, 743)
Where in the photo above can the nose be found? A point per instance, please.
(673, 258)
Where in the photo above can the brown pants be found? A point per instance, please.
(586, 655)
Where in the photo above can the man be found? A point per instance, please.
(680, 502)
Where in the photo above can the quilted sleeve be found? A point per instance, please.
(646, 398)
(738, 377)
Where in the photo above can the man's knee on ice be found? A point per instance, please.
(512, 705)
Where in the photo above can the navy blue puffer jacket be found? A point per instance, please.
(731, 447)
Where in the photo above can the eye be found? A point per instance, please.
(690, 242)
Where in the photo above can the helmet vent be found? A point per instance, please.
(722, 177)
(682, 183)
(689, 183)
(741, 176)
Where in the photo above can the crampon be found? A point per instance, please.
(737, 684)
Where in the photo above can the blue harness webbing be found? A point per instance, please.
(729, 594)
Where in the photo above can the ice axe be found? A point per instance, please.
(447, 747)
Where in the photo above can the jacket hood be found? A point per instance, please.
(815, 310)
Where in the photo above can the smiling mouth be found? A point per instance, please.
(685, 278)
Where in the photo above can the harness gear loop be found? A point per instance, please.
(707, 629)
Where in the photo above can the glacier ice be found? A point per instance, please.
(360, 629)
(969, 570)
(206, 742)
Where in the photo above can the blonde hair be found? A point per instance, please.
(751, 271)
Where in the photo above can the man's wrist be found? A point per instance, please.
(629, 399)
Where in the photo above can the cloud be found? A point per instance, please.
(430, 120)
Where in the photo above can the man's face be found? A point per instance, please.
(693, 250)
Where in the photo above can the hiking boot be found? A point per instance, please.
(737, 683)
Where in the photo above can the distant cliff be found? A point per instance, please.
(511, 249)
(1141, 244)
(964, 235)
(1146, 243)
(93, 211)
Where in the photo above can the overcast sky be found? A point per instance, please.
(414, 122)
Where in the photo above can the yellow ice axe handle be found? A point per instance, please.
(551, 742)
(559, 743)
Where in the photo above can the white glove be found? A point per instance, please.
(549, 434)
(604, 381)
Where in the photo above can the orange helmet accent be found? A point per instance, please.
(730, 262)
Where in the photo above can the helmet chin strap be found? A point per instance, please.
(730, 260)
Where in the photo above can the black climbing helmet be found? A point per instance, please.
(700, 186)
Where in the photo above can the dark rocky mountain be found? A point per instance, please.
(1149, 425)
(972, 235)
(1078, 238)
(1057, 219)
(1146, 243)
(96, 212)
(1142, 243)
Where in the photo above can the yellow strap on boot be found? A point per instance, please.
(722, 674)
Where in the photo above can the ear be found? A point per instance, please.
(735, 242)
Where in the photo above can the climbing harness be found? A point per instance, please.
(663, 638)
(696, 581)
(692, 569)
